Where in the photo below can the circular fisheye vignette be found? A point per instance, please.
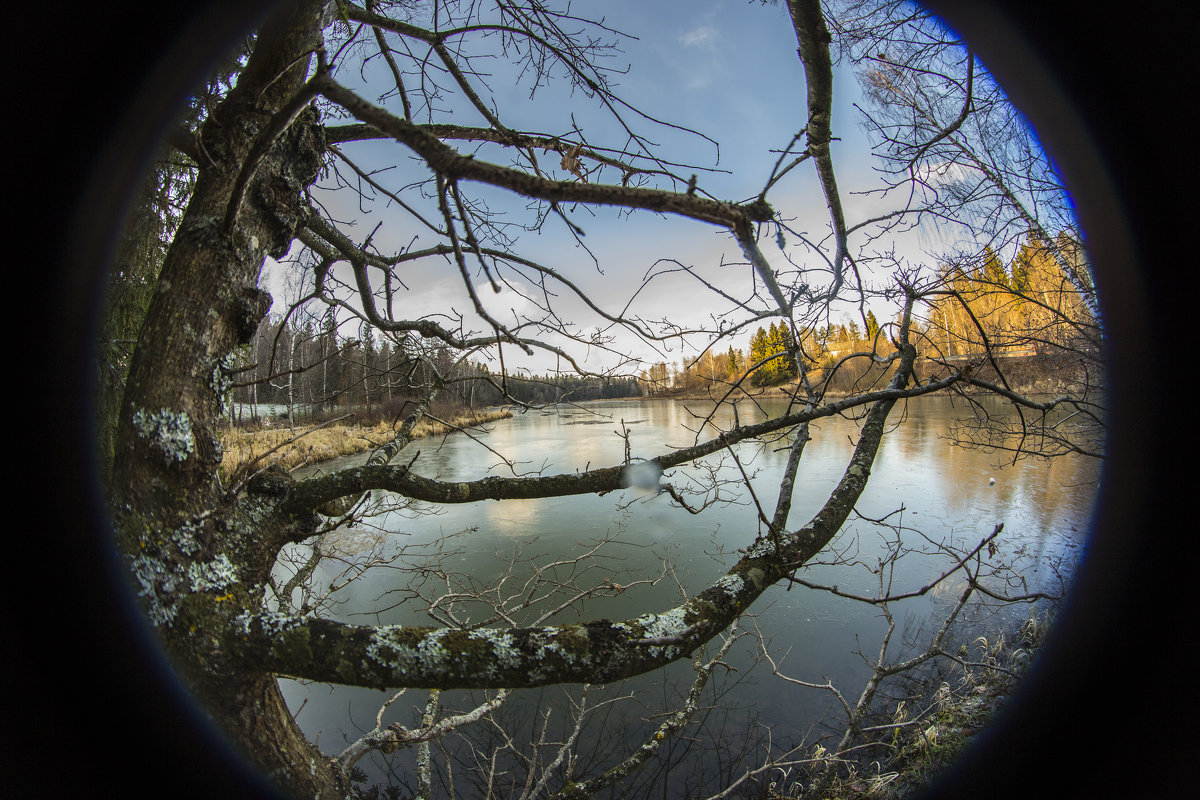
(1109, 228)
(1050, 67)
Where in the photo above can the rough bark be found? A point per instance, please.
(594, 652)
(813, 38)
(194, 553)
(201, 556)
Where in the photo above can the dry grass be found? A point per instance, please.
(241, 447)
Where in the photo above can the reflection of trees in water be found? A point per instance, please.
(835, 633)
(276, 154)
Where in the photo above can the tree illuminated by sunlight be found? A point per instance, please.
(377, 154)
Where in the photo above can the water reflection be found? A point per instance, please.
(928, 491)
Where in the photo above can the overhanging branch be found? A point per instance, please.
(318, 490)
(813, 38)
(452, 165)
(598, 651)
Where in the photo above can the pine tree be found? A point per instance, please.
(785, 365)
(993, 272)
(759, 352)
(872, 325)
(736, 362)
(1020, 268)
(774, 345)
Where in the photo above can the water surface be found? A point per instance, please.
(929, 494)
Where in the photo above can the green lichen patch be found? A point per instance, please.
(220, 382)
(169, 432)
(395, 646)
(185, 538)
(670, 623)
(272, 623)
(154, 579)
(217, 574)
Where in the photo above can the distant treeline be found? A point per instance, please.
(1035, 313)
(1032, 309)
(312, 372)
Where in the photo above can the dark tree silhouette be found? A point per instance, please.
(202, 553)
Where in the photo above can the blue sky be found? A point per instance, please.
(728, 69)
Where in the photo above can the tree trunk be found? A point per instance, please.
(291, 395)
(271, 739)
(199, 560)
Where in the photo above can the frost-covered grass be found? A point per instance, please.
(243, 446)
(932, 727)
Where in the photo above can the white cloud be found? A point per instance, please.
(946, 173)
(703, 36)
(507, 305)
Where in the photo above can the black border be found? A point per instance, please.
(91, 707)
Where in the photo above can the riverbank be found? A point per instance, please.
(1053, 374)
(917, 740)
(515, 541)
(295, 447)
(1048, 387)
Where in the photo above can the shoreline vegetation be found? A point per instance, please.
(290, 448)
(917, 739)
(305, 445)
(1049, 374)
(914, 740)
(1047, 387)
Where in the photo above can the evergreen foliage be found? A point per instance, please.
(1032, 306)
(872, 325)
(774, 350)
(150, 227)
(994, 272)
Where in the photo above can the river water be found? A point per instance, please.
(930, 494)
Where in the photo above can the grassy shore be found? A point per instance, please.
(291, 448)
(938, 722)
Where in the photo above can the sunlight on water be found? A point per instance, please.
(926, 490)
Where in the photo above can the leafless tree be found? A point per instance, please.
(952, 144)
(226, 574)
